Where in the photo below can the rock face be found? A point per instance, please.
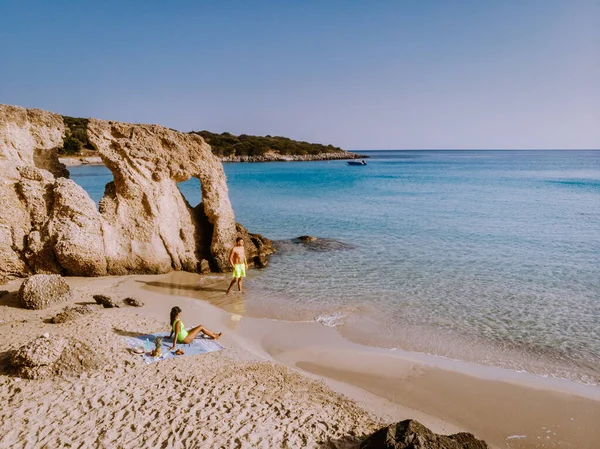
(43, 290)
(48, 224)
(257, 247)
(48, 356)
(410, 434)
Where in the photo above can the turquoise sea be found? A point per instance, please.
(491, 257)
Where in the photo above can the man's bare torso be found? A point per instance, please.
(238, 254)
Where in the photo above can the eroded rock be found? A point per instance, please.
(48, 224)
(44, 290)
(257, 247)
(411, 434)
(49, 356)
(133, 302)
(105, 301)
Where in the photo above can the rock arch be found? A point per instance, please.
(50, 224)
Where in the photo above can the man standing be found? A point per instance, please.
(237, 259)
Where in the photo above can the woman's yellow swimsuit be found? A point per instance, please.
(182, 332)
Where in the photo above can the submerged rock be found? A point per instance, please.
(306, 238)
(316, 244)
(49, 356)
(44, 290)
(49, 224)
(410, 434)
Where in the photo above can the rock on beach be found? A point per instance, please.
(44, 290)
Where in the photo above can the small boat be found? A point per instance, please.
(361, 162)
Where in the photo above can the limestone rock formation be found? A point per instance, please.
(257, 247)
(49, 356)
(49, 224)
(44, 290)
(410, 434)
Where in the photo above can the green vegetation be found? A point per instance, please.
(223, 145)
(227, 144)
(76, 136)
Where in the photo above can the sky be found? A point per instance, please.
(413, 74)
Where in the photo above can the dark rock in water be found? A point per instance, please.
(322, 244)
(257, 247)
(71, 314)
(44, 290)
(410, 434)
(49, 356)
(306, 238)
(105, 301)
(133, 302)
(3, 293)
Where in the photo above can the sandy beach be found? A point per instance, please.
(276, 384)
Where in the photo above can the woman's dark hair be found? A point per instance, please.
(238, 240)
(174, 312)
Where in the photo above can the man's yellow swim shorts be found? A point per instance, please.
(239, 270)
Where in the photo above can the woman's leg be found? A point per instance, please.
(193, 333)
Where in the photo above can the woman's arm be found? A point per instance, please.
(177, 328)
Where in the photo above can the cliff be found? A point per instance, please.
(49, 224)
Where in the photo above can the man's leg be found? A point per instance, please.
(239, 282)
(231, 285)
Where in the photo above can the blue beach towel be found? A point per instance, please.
(198, 346)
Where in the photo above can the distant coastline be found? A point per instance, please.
(80, 159)
(77, 149)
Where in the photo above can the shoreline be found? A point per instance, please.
(496, 405)
(73, 161)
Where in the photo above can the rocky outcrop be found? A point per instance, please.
(44, 290)
(48, 224)
(49, 356)
(410, 434)
(306, 239)
(257, 247)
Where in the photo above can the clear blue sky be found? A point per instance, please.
(359, 74)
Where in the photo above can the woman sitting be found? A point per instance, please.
(182, 335)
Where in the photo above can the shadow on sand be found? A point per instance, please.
(171, 287)
(124, 333)
(345, 442)
(10, 300)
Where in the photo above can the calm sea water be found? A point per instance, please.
(491, 257)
